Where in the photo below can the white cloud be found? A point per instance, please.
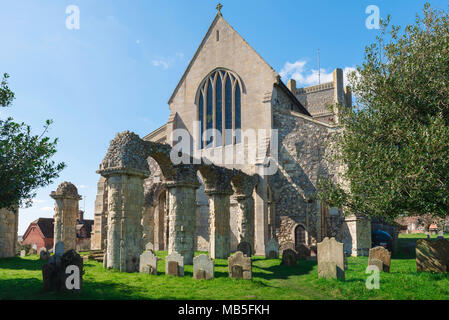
(308, 77)
(48, 209)
(161, 63)
(39, 201)
(82, 186)
(167, 62)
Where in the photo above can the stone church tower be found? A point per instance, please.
(229, 89)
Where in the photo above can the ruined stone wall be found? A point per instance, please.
(8, 233)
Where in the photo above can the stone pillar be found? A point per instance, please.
(125, 205)
(360, 235)
(100, 228)
(243, 186)
(181, 218)
(217, 185)
(220, 230)
(246, 219)
(66, 214)
(9, 222)
(261, 218)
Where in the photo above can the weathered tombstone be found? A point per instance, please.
(432, 256)
(149, 247)
(285, 246)
(289, 258)
(44, 254)
(245, 247)
(23, 253)
(203, 267)
(63, 272)
(272, 249)
(170, 266)
(236, 272)
(148, 263)
(72, 271)
(303, 252)
(242, 261)
(381, 254)
(331, 261)
(376, 262)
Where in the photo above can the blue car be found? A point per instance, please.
(383, 239)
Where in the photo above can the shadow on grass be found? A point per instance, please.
(18, 263)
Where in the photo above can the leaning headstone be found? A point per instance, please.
(285, 246)
(148, 263)
(382, 254)
(63, 272)
(170, 261)
(272, 249)
(203, 267)
(331, 261)
(377, 263)
(23, 253)
(44, 254)
(289, 258)
(149, 247)
(432, 256)
(303, 252)
(245, 247)
(239, 266)
(59, 248)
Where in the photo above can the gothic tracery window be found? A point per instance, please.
(219, 108)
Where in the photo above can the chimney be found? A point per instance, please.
(81, 215)
(291, 84)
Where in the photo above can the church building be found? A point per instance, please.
(231, 92)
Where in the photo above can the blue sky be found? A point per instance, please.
(119, 69)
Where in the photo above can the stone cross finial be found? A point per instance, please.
(219, 6)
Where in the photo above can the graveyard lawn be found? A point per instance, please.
(21, 278)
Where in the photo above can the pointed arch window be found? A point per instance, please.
(219, 109)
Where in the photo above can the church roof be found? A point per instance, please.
(214, 22)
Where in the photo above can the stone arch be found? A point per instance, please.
(300, 235)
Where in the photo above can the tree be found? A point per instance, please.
(394, 144)
(25, 159)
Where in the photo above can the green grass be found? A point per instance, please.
(21, 278)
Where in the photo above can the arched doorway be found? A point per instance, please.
(300, 236)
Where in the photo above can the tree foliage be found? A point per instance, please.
(395, 143)
(25, 159)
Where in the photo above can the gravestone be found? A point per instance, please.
(289, 258)
(69, 261)
(331, 260)
(23, 253)
(203, 267)
(272, 249)
(245, 247)
(303, 252)
(432, 256)
(376, 262)
(285, 246)
(44, 254)
(149, 247)
(170, 266)
(381, 254)
(240, 260)
(148, 263)
(236, 272)
(54, 273)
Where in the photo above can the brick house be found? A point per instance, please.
(40, 233)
